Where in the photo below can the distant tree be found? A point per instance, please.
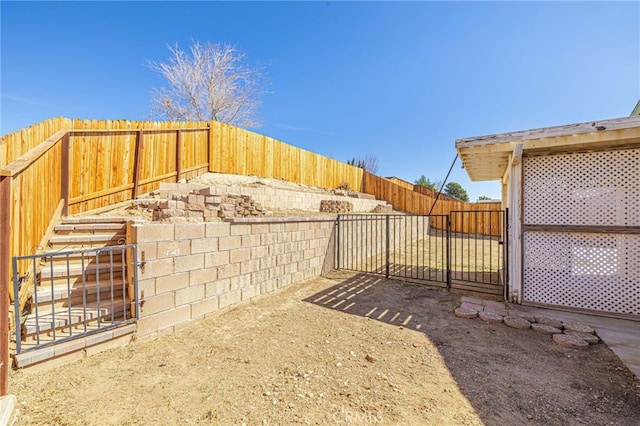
(423, 181)
(369, 163)
(211, 82)
(455, 190)
(483, 198)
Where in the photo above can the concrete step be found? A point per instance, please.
(93, 219)
(48, 320)
(74, 270)
(63, 293)
(87, 240)
(91, 228)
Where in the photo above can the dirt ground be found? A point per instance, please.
(344, 349)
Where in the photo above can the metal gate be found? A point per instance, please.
(464, 250)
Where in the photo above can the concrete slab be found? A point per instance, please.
(621, 336)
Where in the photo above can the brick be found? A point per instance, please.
(189, 230)
(154, 232)
(239, 255)
(216, 259)
(217, 229)
(157, 268)
(188, 295)
(229, 243)
(250, 292)
(217, 287)
(227, 271)
(230, 298)
(249, 266)
(174, 317)
(204, 307)
(158, 303)
(204, 245)
(203, 276)
(172, 282)
(174, 248)
(251, 240)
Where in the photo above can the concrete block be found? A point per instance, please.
(251, 240)
(227, 271)
(283, 259)
(260, 228)
(204, 245)
(276, 228)
(268, 239)
(159, 303)
(239, 281)
(217, 229)
(203, 276)
(69, 346)
(229, 243)
(147, 286)
(229, 299)
(216, 259)
(174, 317)
(147, 325)
(203, 307)
(267, 262)
(173, 248)
(156, 268)
(189, 263)
(239, 255)
(189, 230)
(250, 292)
(150, 251)
(259, 252)
(188, 295)
(171, 283)
(240, 229)
(217, 287)
(268, 286)
(249, 266)
(150, 232)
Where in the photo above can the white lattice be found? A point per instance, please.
(591, 271)
(593, 188)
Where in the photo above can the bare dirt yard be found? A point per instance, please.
(343, 349)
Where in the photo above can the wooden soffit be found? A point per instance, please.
(487, 157)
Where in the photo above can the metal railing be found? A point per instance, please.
(424, 248)
(75, 294)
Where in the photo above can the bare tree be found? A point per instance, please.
(369, 163)
(211, 82)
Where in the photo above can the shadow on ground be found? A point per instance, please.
(509, 376)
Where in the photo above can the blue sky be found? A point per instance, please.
(399, 80)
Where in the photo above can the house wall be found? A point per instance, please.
(193, 270)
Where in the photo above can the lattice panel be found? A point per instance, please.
(594, 188)
(591, 271)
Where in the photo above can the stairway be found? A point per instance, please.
(82, 287)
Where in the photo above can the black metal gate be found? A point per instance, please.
(464, 250)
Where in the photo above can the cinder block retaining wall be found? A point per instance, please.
(276, 198)
(192, 270)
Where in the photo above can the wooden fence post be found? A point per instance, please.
(5, 280)
(178, 154)
(136, 164)
(64, 174)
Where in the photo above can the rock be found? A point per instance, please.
(545, 329)
(570, 341)
(466, 313)
(592, 339)
(369, 358)
(490, 317)
(541, 319)
(578, 326)
(517, 322)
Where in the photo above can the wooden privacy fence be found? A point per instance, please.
(418, 203)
